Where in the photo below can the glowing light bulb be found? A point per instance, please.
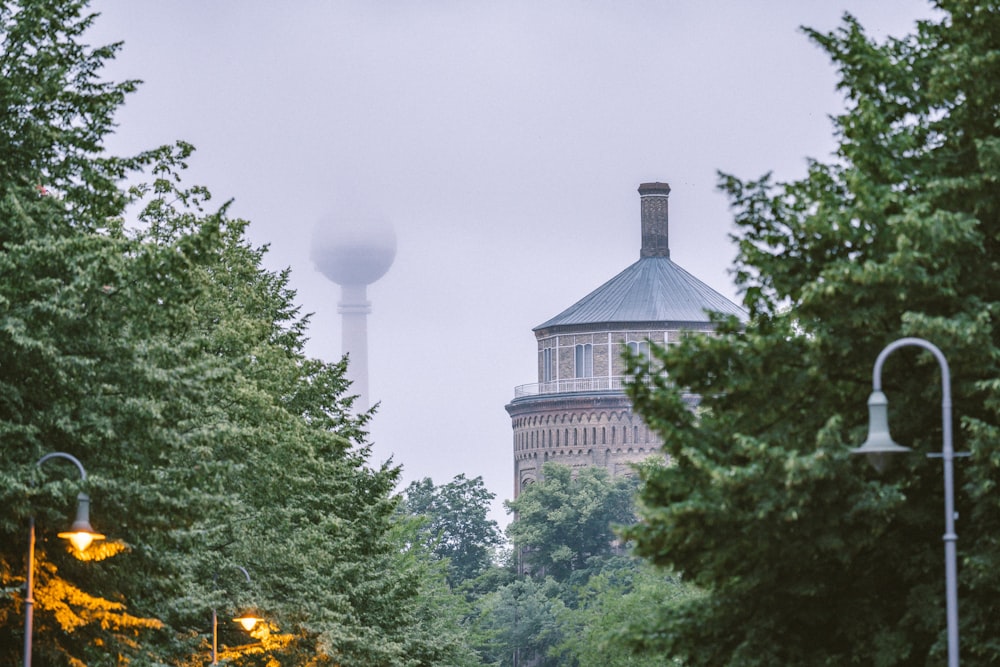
(81, 539)
(248, 622)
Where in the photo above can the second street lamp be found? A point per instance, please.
(246, 620)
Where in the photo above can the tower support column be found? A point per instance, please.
(354, 308)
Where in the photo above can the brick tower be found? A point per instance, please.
(577, 413)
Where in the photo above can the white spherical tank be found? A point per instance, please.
(353, 251)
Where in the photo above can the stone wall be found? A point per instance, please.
(585, 431)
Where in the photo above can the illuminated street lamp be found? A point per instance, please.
(248, 620)
(81, 534)
(880, 445)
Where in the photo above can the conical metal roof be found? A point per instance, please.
(654, 289)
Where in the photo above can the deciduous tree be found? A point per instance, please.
(568, 517)
(456, 524)
(169, 360)
(805, 556)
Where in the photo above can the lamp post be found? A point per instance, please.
(80, 534)
(880, 445)
(248, 621)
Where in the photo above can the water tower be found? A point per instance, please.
(354, 253)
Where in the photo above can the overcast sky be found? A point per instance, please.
(503, 140)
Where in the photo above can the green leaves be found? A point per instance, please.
(169, 360)
(800, 550)
(568, 517)
(455, 524)
(56, 111)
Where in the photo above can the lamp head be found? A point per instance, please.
(879, 447)
(81, 534)
(248, 620)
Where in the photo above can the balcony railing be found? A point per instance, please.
(573, 386)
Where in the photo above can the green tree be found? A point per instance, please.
(568, 517)
(83, 307)
(456, 524)
(614, 611)
(518, 624)
(166, 358)
(54, 113)
(302, 508)
(804, 556)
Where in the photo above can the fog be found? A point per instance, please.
(504, 141)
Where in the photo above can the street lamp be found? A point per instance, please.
(247, 620)
(81, 534)
(880, 445)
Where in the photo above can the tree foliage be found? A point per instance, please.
(613, 612)
(581, 598)
(164, 356)
(804, 556)
(456, 524)
(569, 517)
(519, 623)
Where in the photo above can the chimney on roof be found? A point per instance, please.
(653, 202)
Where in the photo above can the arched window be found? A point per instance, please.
(584, 359)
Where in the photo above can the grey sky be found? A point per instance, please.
(505, 142)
